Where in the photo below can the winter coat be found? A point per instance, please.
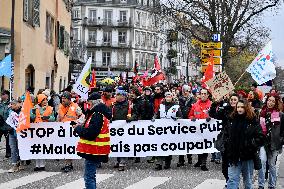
(97, 115)
(148, 107)
(4, 114)
(137, 109)
(243, 139)
(157, 101)
(168, 106)
(200, 110)
(273, 128)
(185, 104)
(120, 110)
(221, 111)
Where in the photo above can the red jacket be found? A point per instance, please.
(200, 110)
(157, 102)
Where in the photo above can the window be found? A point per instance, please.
(31, 12)
(123, 1)
(92, 15)
(122, 16)
(108, 17)
(138, 18)
(76, 34)
(66, 43)
(122, 37)
(76, 14)
(106, 58)
(49, 27)
(144, 19)
(107, 37)
(143, 39)
(92, 36)
(61, 37)
(137, 38)
(121, 58)
(91, 54)
(36, 14)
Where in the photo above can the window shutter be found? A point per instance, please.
(61, 44)
(26, 10)
(36, 13)
(58, 36)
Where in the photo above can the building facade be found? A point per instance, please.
(42, 33)
(115, 34)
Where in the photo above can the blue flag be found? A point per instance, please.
(5, 67)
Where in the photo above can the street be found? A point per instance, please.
(141, 175)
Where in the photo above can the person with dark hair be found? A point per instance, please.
(243, 138)
(255, 89)
(200, 110)
(148, 104)
(4, 113)
(94, 143)
(222, 110)
(254, 101)
(107, 96)
(272, 124)
(69, 111)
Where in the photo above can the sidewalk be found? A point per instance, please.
(280, 179)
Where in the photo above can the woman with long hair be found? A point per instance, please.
(272, 124)
(222, 110)
(243, 139)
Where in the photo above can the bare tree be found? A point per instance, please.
(238, 21)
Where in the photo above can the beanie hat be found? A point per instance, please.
(147, 88)
(46, 92)
(40, 98)
(95, 96)
(66, 94)
(168, 94)
(108, 89)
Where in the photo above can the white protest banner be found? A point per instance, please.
(220, 85)
(82, 85)
(262, 68)
(136, 139)
(48, 140)
(13, 119)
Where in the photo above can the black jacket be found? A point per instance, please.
(147, 107)
(185, 104)
(221, 111)
(137, 109)
(91, 133)
(243, 139)
(120, 110)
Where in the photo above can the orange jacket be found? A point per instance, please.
(200, 110)
(67, 113)
(47, 112)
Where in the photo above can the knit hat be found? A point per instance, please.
(66, 94)
(46, 92)
(40, 98)
(108, 89)
(168, 94)
(95, 96)
(122, 92)
(185, 88)
(147, 88)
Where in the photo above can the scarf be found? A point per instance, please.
(268, 116)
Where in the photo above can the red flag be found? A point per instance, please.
(24, 117)
(93, 83)
(155, 79)
(156, 63)
(209, 72)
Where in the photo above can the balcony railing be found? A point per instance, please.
(107, 22)
(77, 50)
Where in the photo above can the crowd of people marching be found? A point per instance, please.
(251, 138)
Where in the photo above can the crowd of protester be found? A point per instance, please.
(251, 138)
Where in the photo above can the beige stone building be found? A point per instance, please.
(42, 29)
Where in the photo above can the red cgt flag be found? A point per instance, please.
(24, 117)
(93, 83)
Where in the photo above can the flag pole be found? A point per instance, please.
(240, 78)
(11, 86)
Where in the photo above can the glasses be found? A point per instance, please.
(157, 89)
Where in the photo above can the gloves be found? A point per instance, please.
(193, 119)
(153, 119)
(128, 120)
(174, 118)
(45, 117)
(208, 119)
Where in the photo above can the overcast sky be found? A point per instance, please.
(276, 24)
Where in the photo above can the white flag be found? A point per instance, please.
(82, 85)
(262, 68)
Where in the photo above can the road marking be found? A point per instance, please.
(149, 183)
(27, 179)
(3, 171)
(212, 183)
(81, 184)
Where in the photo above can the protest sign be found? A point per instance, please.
(13, 120)
(136, 139)
(220, 85)
(48, 140)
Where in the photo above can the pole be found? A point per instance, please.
(12, 49)
(240, 78)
